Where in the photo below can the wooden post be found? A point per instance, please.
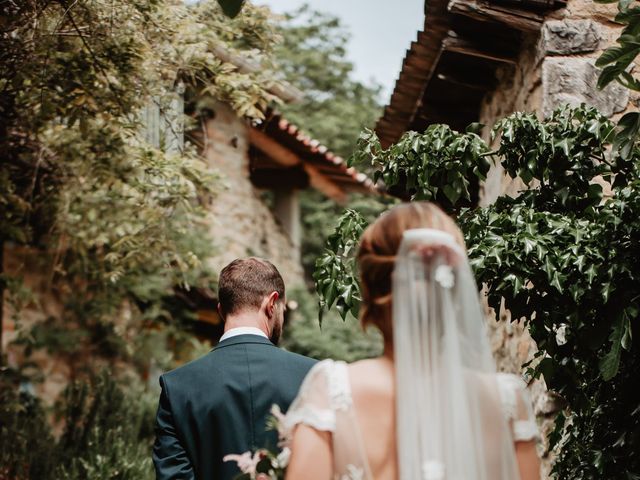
(287, 211)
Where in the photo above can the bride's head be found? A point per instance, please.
(377, 254)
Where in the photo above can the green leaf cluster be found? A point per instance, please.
(334, 339)
(562, 254)
(336, 280)
(616, 60)
(312, 57)
(335, 108)
(108, 224)
(106, 431)
(436, 165)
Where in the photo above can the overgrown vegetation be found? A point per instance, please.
(313, 57)
(104, 222)
(106, 432)
(334, 339)
(562, 254)
(113, 222)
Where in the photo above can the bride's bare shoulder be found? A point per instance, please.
(373, 373)
(377, 363)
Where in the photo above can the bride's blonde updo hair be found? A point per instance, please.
(377, 254)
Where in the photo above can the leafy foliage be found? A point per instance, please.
(336, 281)
(334, 339)
(116, 222)
(436, 165)
(617, 63)
(231, 8)
(107, 223)
(106, 433)
(616, 60)
(25, 437)
(562, 256)
(312, 56)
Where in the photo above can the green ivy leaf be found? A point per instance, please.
(610, 363)
(627, 334)
(452, 193)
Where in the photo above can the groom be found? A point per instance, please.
(219, 404)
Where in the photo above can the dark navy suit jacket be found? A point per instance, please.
(219, 404)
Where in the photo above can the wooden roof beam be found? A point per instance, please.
(468, 84)
(273, 149)
(458, 73)
(523, 20)
(459, 45)
(286, 157)
(321, 183)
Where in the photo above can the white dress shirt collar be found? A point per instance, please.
(234, 332)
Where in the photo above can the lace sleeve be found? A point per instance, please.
(517, 407)
(312, 406)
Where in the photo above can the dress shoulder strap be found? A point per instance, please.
(324, 391)
(338, 385)
(516, 404)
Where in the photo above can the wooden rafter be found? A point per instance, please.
(273, 149)
(287, 158)
(322, 183)
(465, 47)
(469, 84)
(512, 17)
(459, 75)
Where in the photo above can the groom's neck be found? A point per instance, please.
(246, 319)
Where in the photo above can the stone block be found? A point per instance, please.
(567, 37)
(571, 80)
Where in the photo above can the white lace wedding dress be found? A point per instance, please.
(325, 403)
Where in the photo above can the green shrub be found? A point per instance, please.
(107, 434)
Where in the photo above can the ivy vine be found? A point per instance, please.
(562, 255)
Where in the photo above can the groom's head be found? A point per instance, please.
(251, 293)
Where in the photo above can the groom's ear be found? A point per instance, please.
(271, 303)
(219, 308)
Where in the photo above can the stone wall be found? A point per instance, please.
(37, 277)
(555, 67)
(241, 222)
(42, 305)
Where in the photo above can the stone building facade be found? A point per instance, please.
(240, 221)
(479, 61)
(556, 67)
(261, 168)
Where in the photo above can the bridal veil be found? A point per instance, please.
(450, 413)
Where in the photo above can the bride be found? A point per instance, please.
(432, 407)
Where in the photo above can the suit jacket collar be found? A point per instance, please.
(239, 339)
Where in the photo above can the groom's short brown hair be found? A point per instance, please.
(245, 282)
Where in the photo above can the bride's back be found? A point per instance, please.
(372, 384)
(373, 392)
